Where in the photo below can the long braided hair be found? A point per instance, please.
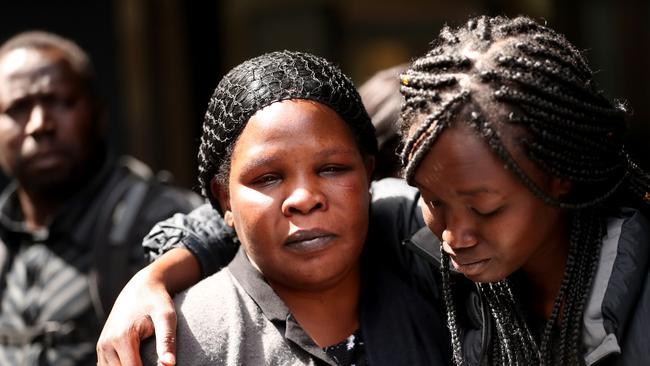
(543, 85)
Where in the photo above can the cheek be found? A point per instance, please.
(78, 124)
(10, 141)
(257, 219)
(353, 193)
(516, 235)
(250, 207)
(9, 131)
(349, 201)
(430, 219)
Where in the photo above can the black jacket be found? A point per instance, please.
(97, 234)
(617, 314)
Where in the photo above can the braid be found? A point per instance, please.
(516, 342)
(428, 131)
(451, 309)
(542, 84)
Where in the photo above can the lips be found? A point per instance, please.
(46, 160)
(468, 262)
(309, 240)
(469, 267)
(42, 150)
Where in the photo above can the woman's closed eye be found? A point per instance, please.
(485, 212)
(266, 180)
(333, 169)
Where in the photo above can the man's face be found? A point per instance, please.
(48, 133)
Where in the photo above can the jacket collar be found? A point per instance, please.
(253, 282)
(68, 220)
(617, 285)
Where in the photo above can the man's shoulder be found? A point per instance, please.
(151, 198)
(159, 185)
(131, 202)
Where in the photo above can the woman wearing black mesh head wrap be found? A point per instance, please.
(286, 157)
(267, 79)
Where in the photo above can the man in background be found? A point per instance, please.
(73, 217)
(381, 96)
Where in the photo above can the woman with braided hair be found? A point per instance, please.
(520, 161)
(286, 157)
(543, 256)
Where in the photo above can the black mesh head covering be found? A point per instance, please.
(264, 80)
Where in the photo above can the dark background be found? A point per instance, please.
(159, 60)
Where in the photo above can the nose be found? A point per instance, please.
(303, 200)
(38, 121)
(459, 232)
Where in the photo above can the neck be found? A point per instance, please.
(39, 202)
(38, 208)
(545, 273)
(327, 316)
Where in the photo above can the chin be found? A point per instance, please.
(486, 277)
(318, 279)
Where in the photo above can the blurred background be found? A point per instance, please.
(159, 60)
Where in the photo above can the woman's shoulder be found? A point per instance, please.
(217, 321)
(619, 303)
(628, 239)
(212, 304)
(203, 316)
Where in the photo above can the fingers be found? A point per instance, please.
(107, 357)
(164, 323)
(123, 348)
(143, 304)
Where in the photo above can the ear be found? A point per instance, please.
(223, 197)
(560, 187)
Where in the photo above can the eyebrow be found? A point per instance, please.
(268, 160)
(477, 191)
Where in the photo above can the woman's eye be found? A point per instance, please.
(485, 213)
(333, 169)
(266, 180)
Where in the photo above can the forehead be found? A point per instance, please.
(28, 71)
(291, 124)
(460, 161)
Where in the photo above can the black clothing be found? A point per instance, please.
(58, 284)
(349, 352)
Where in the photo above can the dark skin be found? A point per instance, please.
(492, 225)
(49, 130)
(298, 197)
